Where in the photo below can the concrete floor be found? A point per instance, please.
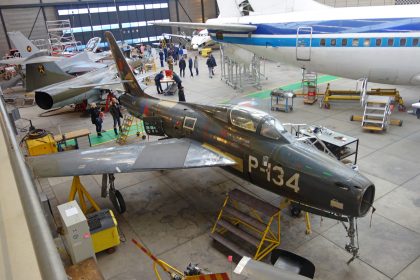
(172, 212)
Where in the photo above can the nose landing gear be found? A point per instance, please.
(353, 246)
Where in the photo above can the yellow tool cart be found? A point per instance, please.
(103, 229)
(40, 142)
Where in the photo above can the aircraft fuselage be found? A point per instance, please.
(378, 43)
(283, 165)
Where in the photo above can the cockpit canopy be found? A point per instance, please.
(259, 122)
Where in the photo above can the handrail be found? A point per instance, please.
(49, 261)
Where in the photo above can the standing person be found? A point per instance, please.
(159, 77)
(196, 65)
(165, 52)
(115, 111)
(96, 120)
(182, 66)
(161, 57)
(171, 63)
(177, 80)
(176, 54)
(213, 63)
(190, 65)
(209, 63)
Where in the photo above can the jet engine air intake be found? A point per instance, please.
(367, 200)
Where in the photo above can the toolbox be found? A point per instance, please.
(103, 229)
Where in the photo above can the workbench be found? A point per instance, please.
(341, 145)
(62, 139)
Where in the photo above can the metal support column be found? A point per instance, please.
(5, 29)
(203, 19)
(177, 13)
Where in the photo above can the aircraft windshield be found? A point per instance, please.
(271, 128)
(246, 118)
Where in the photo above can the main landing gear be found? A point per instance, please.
(114, 195)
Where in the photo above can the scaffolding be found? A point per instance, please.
(239, 75)
(61, 37)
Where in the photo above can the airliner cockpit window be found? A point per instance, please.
(246, 118)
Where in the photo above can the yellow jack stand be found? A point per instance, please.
(79, 189)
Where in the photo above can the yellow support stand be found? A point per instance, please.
(78, 188)
(254, 221)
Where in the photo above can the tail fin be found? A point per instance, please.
(25, 47)
(133, 88)
(39, 75)
(228, 8)
(285, 6)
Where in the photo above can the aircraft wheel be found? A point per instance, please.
(143, 137)
(295, 211)
(117, 200)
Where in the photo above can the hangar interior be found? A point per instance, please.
(171, 221)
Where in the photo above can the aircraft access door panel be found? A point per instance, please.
(153, 126)
(304, 43)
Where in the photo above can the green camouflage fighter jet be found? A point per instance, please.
(246, 142)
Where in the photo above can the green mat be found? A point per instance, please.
(294, 86)
(109, 135)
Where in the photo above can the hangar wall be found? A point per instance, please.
(23, 16)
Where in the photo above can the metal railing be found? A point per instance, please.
(49, 261)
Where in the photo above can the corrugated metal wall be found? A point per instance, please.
(24, 20)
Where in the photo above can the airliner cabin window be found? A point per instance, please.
(344, 42)
(246, 118)
(403, 42)
(415, 42)
(322, 43)
(366, 43)
(390, 42)
(355, 43)
(333, 42)
(378, 42)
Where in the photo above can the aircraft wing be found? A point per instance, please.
(158, 155)
(84, 67)
(100, 85)
(232, 27)
(24, 61)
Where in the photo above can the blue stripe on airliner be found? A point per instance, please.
(326, 42)
(388, 25)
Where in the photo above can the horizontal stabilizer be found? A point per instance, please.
(159, 155)
(222, 27)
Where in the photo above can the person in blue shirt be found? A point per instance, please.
(165, 53)
(161, 57)
(190, 65)
(182, 66)
(176, 55)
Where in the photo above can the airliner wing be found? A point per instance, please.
(158, 155)
(231, 27)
